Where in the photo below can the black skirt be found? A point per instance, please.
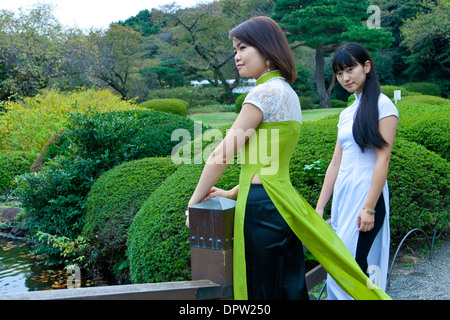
(273, 253)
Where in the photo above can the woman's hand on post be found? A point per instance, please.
(214, 192)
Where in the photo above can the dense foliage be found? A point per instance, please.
(54, 198)
(29, 124)
(114, 200)
(14, 163)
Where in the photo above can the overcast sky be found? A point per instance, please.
(95, 13)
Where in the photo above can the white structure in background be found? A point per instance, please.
(397, 95)
(245, 85)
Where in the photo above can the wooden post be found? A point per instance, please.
(211, 239)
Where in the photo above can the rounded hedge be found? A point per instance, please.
(389, 91)
(426, 125)
(175, 106)
(116, 197)
(306, 103)
(419, 185)
(432, 100)
(13, 163)
(423, 88)
(338, 103)
(158, 240)
(239, 101)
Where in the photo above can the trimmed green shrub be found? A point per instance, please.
(426, 125)
(195, 96)
(389, 91)
(338, 104)
(14, 163)
(239, 101)
(316, 143)
(425, 99)
(423, 88)
(306, 103)
(163, 254)
(116, 137)
(114, 200)
(419, 185)
(175, 106)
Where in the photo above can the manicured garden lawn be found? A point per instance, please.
(219, 119)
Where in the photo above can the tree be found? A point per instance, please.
(427, 37)
(143, 22)
(393, 14)
(29, 49)
(201, 34)
(37, 52)
(324, 25)
(169, 73)
(119, 52)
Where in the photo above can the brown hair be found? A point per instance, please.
(264, 34)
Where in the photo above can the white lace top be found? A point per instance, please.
(277, 101)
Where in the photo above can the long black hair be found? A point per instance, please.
(365, 125)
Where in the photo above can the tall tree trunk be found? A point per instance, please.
(324, 97)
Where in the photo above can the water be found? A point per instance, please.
(20, 271)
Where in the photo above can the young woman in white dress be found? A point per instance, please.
(357, 174)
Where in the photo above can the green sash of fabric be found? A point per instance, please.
(268, 153)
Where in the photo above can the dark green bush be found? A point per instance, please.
(389, 91)
(316, 143)
(419, 185)
(338, 104)
(14, 163)
(306, 103)
(432, 100)
(423, 88)
(195, 96)
(239, 101)
(55, 197)
(175, 106)
(115, 137)
(114, 200)
(426, 125)
(158, 240)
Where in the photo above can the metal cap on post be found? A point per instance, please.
(211, 239)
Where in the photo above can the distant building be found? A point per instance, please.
(245, 85)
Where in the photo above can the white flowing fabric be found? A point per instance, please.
(350, 192)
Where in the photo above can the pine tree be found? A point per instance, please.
(324, 25)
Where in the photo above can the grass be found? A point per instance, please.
(218, 119)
